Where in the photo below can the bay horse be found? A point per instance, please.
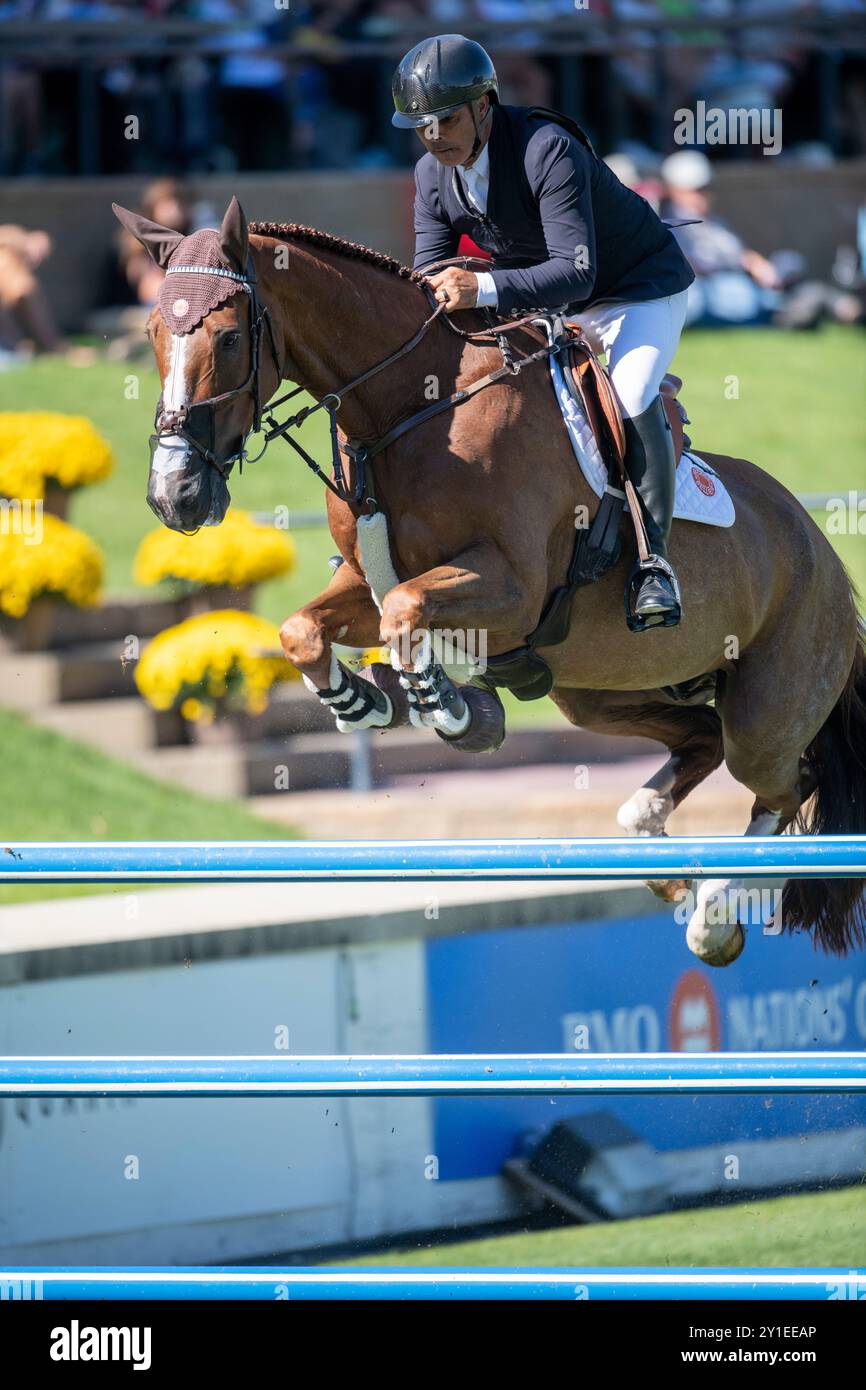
(478, 503)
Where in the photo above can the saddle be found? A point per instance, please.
(597, 548)
(596, 395)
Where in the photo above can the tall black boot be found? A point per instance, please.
(653, 596)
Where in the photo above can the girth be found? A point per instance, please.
(596, 548)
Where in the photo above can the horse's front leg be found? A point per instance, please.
(463, 604)
(344, 612)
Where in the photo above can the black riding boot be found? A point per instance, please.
(653, 593)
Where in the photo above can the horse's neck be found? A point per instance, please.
(334, 331)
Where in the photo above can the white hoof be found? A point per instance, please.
(645, 813)
(715, 934)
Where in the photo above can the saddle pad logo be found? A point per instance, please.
(706, 485)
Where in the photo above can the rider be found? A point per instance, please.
(562, 231)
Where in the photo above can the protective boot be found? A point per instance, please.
(653, 593)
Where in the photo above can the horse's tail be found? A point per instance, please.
(835, 909)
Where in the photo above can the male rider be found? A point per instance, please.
(562, 231)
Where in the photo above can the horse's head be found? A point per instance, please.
(208, 331)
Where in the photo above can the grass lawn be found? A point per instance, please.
(790, 402)
(52, 788)
(823, 1229)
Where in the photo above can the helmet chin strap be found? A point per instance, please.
(476, 145)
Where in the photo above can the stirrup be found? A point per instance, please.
(653, 564)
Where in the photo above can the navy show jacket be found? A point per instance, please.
(561, 228)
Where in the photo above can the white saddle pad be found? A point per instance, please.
(700, 496)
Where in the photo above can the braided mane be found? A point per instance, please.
(285, 231)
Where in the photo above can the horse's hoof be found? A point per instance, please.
(671, 890)
(486, 730)
(386, 679)
(725, 953)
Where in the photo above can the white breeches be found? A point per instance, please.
(640, 341)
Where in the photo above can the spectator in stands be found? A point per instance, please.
(27, 323)
(734, 285)
(165, 201)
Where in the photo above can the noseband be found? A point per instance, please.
(176, 423)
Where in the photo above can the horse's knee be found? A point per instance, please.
(403, 616)
(303, 639)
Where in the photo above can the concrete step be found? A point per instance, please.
(211, 770)
(29, 680)
(120, 727)
(54, 626)
(96, 672)
(534, 801)
(292, 710)
(32, 680)
(125, 723)
(315, 761)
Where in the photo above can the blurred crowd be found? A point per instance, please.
(735, 285)
(247, 100)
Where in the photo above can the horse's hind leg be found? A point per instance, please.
(693, 733)
(343, 612)
(769, 719)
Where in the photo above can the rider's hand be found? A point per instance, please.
(456, 288)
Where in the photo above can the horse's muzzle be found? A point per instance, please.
(183, 491)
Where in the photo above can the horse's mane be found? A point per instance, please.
(286, 231)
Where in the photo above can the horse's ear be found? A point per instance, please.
(159, 241)
(234, 238)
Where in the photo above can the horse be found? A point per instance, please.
(466, 523)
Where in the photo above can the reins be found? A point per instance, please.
(175, 422)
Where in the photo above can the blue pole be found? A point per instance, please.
(553, 1074)
(275, 1284)
(831, 856)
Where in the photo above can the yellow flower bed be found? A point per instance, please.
(41, 444)
(223, 657)
(64, 563)
(237, 553)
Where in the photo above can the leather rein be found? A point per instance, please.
(176, 422)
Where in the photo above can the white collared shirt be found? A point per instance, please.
(476, 186)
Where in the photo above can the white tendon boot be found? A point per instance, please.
(434, 700)
(354, 703)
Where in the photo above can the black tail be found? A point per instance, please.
(835, 909)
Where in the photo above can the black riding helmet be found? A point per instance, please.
(439, 76)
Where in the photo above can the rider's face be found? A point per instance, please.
(451, 138)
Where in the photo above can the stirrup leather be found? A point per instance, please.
(652, 565)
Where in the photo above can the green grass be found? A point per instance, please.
(798, 412)
(824, 1229)
(52, 788)
(795, 411)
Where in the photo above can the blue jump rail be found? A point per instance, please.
(349, 861)
(275, 1284)
(552, 1074)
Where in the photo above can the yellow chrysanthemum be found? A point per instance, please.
(222, 656)
(54, 559)
(41, 444)
(237, 553)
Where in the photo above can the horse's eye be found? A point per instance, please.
(230, 340)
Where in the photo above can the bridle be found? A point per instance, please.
(176, 423)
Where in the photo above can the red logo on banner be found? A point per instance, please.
(706, 485)
(694, 1023)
